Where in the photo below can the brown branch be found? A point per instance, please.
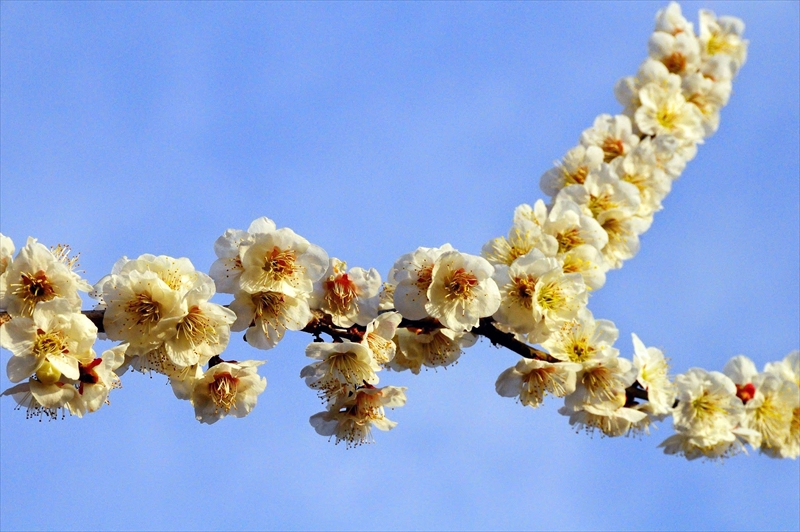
(322, 324)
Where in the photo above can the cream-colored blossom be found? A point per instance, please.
(37, 275)
(281, 261)
(787, 369)
(671, 20)
(49, 344)
(379, 334)
(679, 53)
(530, 380)
(268, 315)
(432, 349)
(349, 296)
(583, 339)
(601, 385)
(462, 291)
(612, 134)
(709, 419)
(228, 388)
(536, 296)
(340, 367)
(523, 237)
(588, 261)
(6, 256)
(42, 400)
(722, 36)
(536, 214)
(650, 71)
(603, 191)
(141, 309)
(709, 97)
(571, 227)
(572, 169)
(351, 419)
(612, 423)
(97, 379)
(666, 112)
(227, 269)
(203, 331)
(641, 169)
(653, 374)
(413, 273)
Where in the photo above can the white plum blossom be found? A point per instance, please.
(432, 349)
(537, 296)
(462, 291)
(641, 169)
(671, 20)
(203, 331)
(572, 169)
(340, 367)
(787, 369)
(571, 227)
(228, 388)
(709, 419)
(281, 261)
(530, 380)
(97, 379)
(600, 386)
(650, 71)
(413, 273)
(42, 400)
(588, 262)
(612, 134)
(666, 112)
(709, 97)
(679, 53)
(268, 315)
(523, 237)
(141, 309)
(178, 274)
(49, 344)
(37, 275)
(227, 269)
(722, 36)
(583, 340)
(379, 335)
(653, 375)
(6, 256)
(537, 214)
(351, 418)
(349, 296)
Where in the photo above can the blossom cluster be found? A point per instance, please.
(53, 361)
(528, 288)
(718, 413)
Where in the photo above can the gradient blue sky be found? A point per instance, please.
(371, 129)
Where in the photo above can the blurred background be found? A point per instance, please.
(372, 129)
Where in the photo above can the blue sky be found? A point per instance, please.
(371, 129)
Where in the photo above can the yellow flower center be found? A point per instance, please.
(522, 290)
(144, 309)
(279, 264)
(33, 288)
(340, 293)
(612, 148)
(49, 343)
(223, 390)
(197, 328)
(569, 239)
(675, 63)
(459, 285)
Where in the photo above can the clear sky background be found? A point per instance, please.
(371, 129)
